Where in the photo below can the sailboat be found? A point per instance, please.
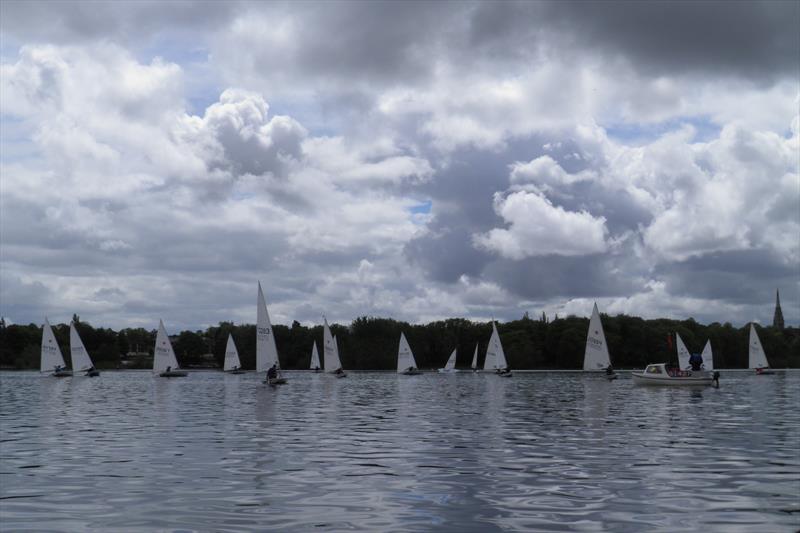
(595, 356)
(758, 359)
(683, 353)
(164, 362)
(663, 374)
(52, 360)
(232, 365)
(266, 349)
(330, 352)
(450, 366)
(406, 364)
(495, 356)
(314, 358)
(81, 362)
(474, 365)
(708, 356)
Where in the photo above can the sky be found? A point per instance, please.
(410, 160)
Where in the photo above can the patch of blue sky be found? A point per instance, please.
(9, 50)
(637, 134)
(16, 142)
(421, 213)
(423, 208)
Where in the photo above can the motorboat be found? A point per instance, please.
(659, 374)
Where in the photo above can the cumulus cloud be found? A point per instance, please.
(183, 149)
(537, 227)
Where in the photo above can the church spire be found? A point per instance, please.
(777, 320)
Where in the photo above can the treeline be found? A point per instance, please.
(371, 343)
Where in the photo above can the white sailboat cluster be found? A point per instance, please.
(165, 364)
(52, 360)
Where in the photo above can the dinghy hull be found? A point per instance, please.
(62, 374)
(173, 374)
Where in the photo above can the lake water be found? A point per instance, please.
(381, 452)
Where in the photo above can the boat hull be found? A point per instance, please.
(235, 371)
(174, 374)
(92, 373)
(276, 381)
(447, 370)
(62, 373)
(764, 372)
(691, 381)
(412, 373)
(611, 377)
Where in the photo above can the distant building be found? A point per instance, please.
(777, 320)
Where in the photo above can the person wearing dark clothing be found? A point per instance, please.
(272, 373)
(696, 360)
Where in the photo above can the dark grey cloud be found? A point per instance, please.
(59, 21)
(757, 40)
(739, 277)
(559, 277)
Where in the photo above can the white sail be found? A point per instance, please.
(708, 356)
(595, 356)
(314, 357)
(451, 361)
(405, 359)
(330, 351)
(163, 354)
(51, 353)
(231, 356)
(266, 349)
(475, 358)
(683, 353)
(495, 356)
(81, 362)
(758, 359)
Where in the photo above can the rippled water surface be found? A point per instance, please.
(381, 452)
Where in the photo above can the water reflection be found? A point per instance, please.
(377, 452)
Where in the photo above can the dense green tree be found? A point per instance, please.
(371, 342)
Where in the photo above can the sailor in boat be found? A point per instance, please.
(338, 371)
(503, 371)
(609, 370)
(411, 370)
(57, 368)
(316, 369)
(272, 373)
(169, 368)
(696, 360)
(90, 370)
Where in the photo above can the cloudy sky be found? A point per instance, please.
(410, 160)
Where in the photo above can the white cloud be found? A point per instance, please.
(537, 227)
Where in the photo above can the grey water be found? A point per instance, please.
(380, 452)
